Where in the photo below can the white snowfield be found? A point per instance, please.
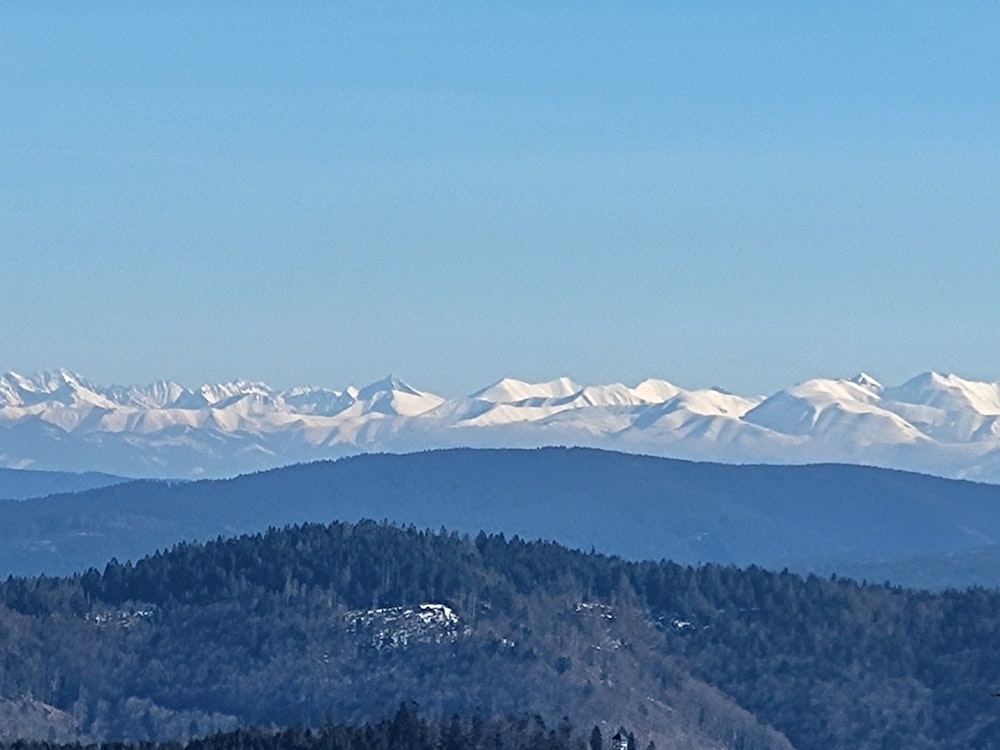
(935, 424)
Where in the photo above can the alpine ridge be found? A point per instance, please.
(934, 423)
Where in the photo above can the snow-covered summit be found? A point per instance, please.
(393, 397)
(58, 386)
(511, 390)
(948, 393)
(933, 423)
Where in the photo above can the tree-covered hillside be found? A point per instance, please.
(313, 622)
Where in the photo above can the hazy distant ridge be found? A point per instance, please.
(933, 423)
(908, 528)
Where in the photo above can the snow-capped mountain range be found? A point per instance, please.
(933, 423)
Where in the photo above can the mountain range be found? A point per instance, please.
(934, 423)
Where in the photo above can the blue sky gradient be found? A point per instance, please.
(732, 194)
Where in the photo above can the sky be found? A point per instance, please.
(726, 194)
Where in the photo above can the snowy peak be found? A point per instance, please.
(826, 389)
(54, 387)
(512, 391)
(388, 384)
(564, 392)
(158, 395)
(949, 393)
(712, 402)
(655, 391)
(829, 410)
(221, 395)
(392, 397)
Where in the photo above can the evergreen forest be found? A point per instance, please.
(325, 626)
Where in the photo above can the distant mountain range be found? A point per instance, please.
(873, 524)
(933, 423)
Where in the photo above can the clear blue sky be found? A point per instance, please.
(733, 194)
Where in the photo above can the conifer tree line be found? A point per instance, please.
(407, 729)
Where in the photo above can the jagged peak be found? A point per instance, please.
(390, 383)
(867, 381)
(57, 386)
(46, 380)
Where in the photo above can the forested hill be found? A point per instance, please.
(907, 528)
(312, 622)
